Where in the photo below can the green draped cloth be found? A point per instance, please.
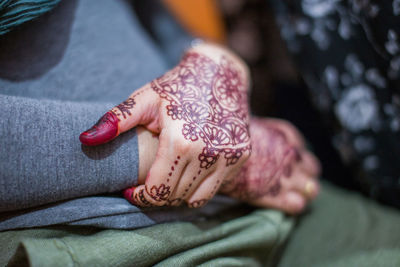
(15, 12)
(340, 229)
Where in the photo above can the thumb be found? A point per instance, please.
(139, 109)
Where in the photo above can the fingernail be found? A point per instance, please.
(102, 132)
(128, 195)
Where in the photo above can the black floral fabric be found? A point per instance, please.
(348, 53)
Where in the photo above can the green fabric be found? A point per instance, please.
(345, 229)
(251, 240)
(15, 12)
(341, 229)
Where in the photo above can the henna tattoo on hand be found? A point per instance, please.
(210, 98)
(106, 128)
(140, 198)
(159, 193)
(124, 109)
(271, 159)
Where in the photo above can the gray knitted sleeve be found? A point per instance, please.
(42, 160)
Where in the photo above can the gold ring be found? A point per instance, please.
(310, 188)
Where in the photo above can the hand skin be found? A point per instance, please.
(199, 111)
(280, 173)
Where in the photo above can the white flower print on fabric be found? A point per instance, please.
(356, 73)
(344, 29)
(392, 45)
(394, 69)
(288, 33)
(315, 24)
(393, 48)
(320, 36)
(393, 114)
(395, 125)
(371, 162)
(353, 78)
(364, 144)
(319, 8)
(354, 91)
(331, 78)
(365, 7)
(375, 78)
(396, 7)
(358, 109)
(321, 14)
(354, 66)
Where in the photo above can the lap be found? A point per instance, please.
(343, 227)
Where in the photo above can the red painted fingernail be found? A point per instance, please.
(102, 132)
(128, 195)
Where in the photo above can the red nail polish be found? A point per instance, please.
(102, 132)
(128, 195)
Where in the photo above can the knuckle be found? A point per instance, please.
(157, 195)
(183, 146)
(139, 198)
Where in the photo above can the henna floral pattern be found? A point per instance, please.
(160, 193)
(157, 193)
(139, 198)
(271, 159)
(210, 98)
(124, 109)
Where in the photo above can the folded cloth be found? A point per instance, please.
(342, 229)
(108, 211)
(345, 229)
(251, 240)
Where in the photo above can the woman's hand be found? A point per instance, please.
(199, 109)
(280, 173)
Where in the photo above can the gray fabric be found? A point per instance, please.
(102, 54)
(58, 75)
(108, 212)
(43, 160)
